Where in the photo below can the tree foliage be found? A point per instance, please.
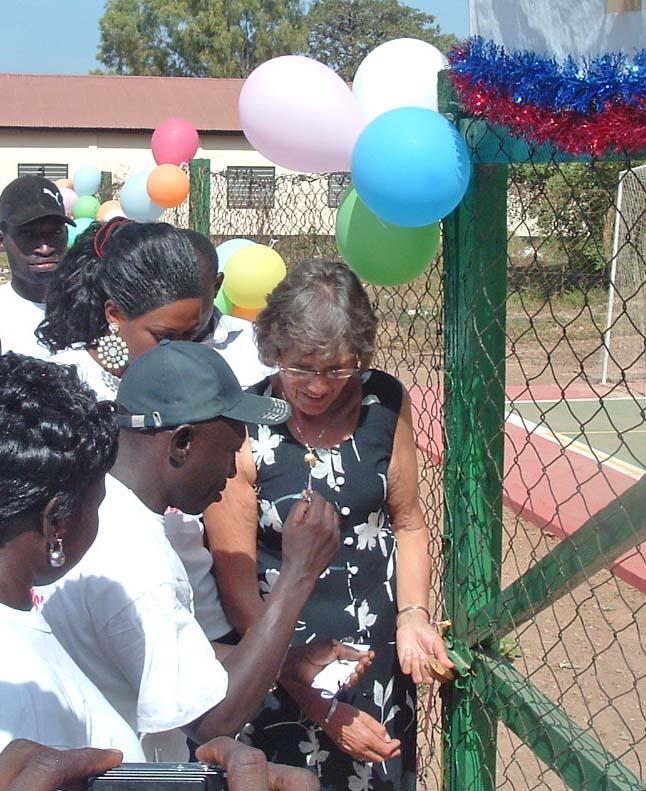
(198, 38)
(343, 32)
(229, 38)
(573, 207)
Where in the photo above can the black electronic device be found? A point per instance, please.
(161, 777)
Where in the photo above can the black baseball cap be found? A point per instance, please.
(180, 382)
(29, 198)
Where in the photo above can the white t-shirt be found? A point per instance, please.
(185, 532)
(104, 384)
(125, 615)
(234, 340)
(18, 321)
(45, 697)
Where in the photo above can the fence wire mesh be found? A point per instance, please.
(571, 445)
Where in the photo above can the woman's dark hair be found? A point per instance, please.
(55, 438)
(319, 308)
(143, 266)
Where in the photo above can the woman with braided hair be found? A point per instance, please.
(56, 445)
(120, 289)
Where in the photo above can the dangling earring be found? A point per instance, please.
(55, 553)
(112, 350)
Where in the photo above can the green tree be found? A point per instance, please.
(198, 38)
(573, 207)
(343, 32)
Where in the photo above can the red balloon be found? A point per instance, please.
(174, 142)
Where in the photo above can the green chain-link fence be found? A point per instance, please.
(524, 349)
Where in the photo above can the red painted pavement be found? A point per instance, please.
(554, 489)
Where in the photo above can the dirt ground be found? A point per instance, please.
(586, 652)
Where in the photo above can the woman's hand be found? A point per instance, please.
(303, 663)
(360, 735)
(417, 643)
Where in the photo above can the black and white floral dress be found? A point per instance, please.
(355, 598)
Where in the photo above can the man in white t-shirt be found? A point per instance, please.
(125, 613)
(33, 234)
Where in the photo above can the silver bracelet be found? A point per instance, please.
(331, 710)
(413, 607)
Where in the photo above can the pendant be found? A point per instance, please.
(310, 457)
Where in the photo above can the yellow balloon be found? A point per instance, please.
(252, 273)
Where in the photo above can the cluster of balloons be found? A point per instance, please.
(251, 272)
(147, 194)
(410, 167)
(81, 202)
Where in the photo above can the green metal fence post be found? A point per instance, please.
(475, 271)
(199, 210)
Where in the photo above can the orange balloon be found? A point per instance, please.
(108, 210)
(245, 313)
(168, 186)
(65, 183)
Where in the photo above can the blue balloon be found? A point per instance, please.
(135, 200)
(73, 232)
(410, 166)
(228, 248)
(87, 180)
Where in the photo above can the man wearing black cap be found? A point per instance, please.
(33, 233)
(124, 613)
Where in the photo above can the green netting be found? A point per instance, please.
(520, 443)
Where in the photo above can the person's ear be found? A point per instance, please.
(180, 444)
(219, 279)
(113, 312)
(49, 523)
(2, 248)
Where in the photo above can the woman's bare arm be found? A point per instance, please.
(231, 526)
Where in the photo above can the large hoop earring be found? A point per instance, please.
(55, 554)
(112, 350)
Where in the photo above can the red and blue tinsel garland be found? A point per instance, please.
(592, 108)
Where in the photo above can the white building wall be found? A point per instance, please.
(119, 153)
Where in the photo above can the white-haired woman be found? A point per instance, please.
(350, 438)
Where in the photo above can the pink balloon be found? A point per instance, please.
(69, 199)
(174, 141)
(300, 114)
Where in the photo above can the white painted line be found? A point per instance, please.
(541, 430)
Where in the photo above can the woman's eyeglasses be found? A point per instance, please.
(334, 374)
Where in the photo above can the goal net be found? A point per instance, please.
(624, 353)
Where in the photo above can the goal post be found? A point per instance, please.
(624, 354)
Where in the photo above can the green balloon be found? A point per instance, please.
(378, 252)
(85, 206)
(223, 303)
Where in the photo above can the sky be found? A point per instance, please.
(62, 36)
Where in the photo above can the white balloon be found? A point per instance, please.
(399, 73)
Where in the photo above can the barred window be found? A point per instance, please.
(251, 188)
(337, 184)
(49, 170)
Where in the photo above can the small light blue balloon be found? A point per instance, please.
(410, 166)
(87, 180)
(73, 232)
(228, 248)
(135, 200)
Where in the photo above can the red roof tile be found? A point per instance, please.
(51, 101)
